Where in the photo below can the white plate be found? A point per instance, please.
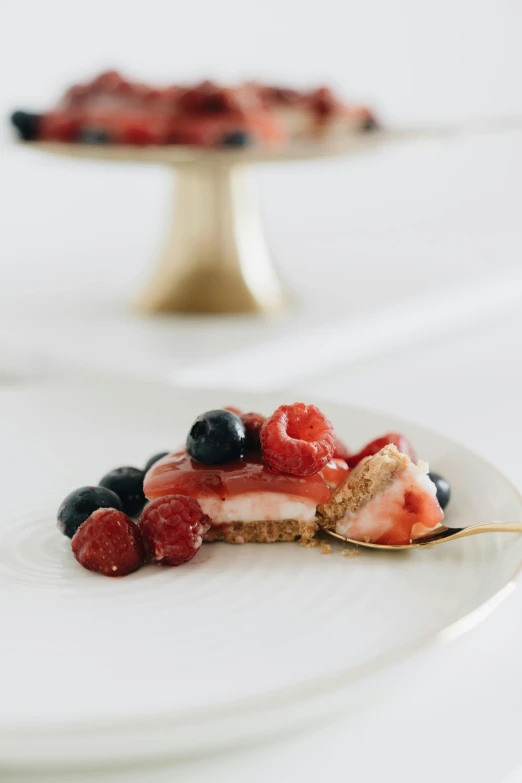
(235, 645)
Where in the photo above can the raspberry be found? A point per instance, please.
(107, 81)
(281, 95)
(207, 98)
(59, 126)
(232, 409)
(324, 102)
(172, 528)
(109, 542)
(140, 129)
(297, 439)
(253, 423)
(76, 96)
(398, 440)
(341, 450)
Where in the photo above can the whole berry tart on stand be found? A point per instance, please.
(243, 478)
(216, 259)
(111, 109)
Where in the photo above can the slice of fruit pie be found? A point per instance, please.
(386, 499)
(257, 480)
(294, 483)
(242, 478)
(111, 109)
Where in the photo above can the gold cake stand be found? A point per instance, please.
(216, 259)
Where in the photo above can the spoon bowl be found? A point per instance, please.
(442, 536)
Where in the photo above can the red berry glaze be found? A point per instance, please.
(335, 472)
(341, 450)
(180, 474)
(297, 439)
(173, 528)
(253, 423)
(417, 508)
(398, 440)
(109, 542)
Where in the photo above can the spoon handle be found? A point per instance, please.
(489, 527)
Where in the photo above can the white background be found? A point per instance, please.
(351, 237)
(416, 61)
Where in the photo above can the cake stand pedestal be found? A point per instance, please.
(216, 259)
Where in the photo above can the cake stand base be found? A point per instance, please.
(216, 259)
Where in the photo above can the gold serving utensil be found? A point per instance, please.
(441, 536)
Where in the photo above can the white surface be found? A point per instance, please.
(191, 632)
(430, 217)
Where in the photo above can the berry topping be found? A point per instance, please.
(140, 129)
(206, 98)
(370, 123)
(94, 136)
(400, 441)
(173, 528)
(26, 124)
(216, 437)
(323, 102)
(110, 109)
(58, 126)
(297, 439)
(282, 95)
(127, 483)
(237, 138)
(443, 489)
(341, 450)
(109, 542)
(109, 81)
(80, 504)
(152, 461)
(253, 423)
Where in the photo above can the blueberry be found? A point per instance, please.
(127, 483)
(236, 139)
(26, 124)
(216, 437)
(370, 124)
(152, 461)
(443, 489)
(80, 504)
(94, 136)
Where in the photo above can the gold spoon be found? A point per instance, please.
(441, 536)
